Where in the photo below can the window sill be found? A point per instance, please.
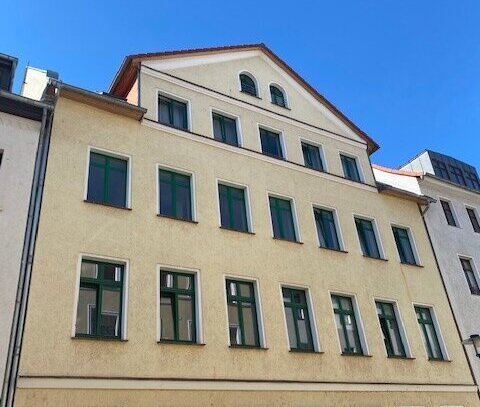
(412, 265)
(107, 204)
(174, 127)
(246, 232)
(174, 218)
(98, 338)
(274, 156)
(282, 107)
(333, 250)
(249, 94)
(246, 347)
(306, 351)
(374, 258)
(401, 357)
(188, 343)
(439, 360)
(358, 355)
(286, 240)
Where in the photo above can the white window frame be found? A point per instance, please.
(181, 171)
(358, 317)
(341, 241)
(357, 161)
(158, 92)
(311, 312)
(296, 224)
(438, 331)
(258, 306)
(375, 230)
(248, 208)
(198, 299)
(282, 89)
(115, 260)
(282, 140)
(321, 149)
(257, 83)
(474, 268)
(113, 154)
(475, 211)
(454, 212)
(401, 325)
(230, 116)
(412, 242)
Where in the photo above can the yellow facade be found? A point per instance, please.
(58, 369)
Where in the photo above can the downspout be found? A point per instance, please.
(21, 302)
(422, 213)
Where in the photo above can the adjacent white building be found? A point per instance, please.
(453, 224)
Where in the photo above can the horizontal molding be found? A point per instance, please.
(59, 382)
(255, 154)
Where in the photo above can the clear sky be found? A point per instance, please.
(407, 72)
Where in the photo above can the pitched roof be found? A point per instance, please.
(126, 75)
(398, 172)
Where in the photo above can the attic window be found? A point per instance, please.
(278, 96)
(247, 85)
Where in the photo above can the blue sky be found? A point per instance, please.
(407, 72)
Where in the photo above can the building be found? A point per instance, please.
(453, 223)
(219, 239)
(23, 124)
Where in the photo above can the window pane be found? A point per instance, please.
(352, 334)
(89, 270)
(180, 115)
(341, 334)
(447, 210)
(166, 280)
(304, 334)
(271, 143)
(164, 111)
(433, 340)
(217, 128)
(248, 85)
(112, 272)
(117, 185)
(350, 168)
(326, 229)
(184, 282)
(166, 199)
(346, 303)
(231, 131)
(96, 183)
(395, 338)
(249, 324)
(186, 329)
(291, 328)
(167, 317)
(246, 290)
(184, 204)
(110, 322)
(234, 324)
(86, 311)
(224, 211)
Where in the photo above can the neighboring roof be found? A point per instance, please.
(21, 106)
(398, 172)
(402, 193)
(102, 101)
(126, 75)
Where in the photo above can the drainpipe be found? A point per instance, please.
(423, 212)
(21, 302)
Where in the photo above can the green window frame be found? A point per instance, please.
(312, 156)
(473, 219)
(350, 168)
(233, 208)
(177, 305)
(225, 129)
(107, 179)
(175, 195)
(326, 228)
(392, 336)
(297, 316)
(277, 96)
(100, 300)
(447, 210)
(282, 219)
(346, 323)
(429, 333)
(368, 238)
(172, 112)
(242, 313)
(247, 85)
(404, 245)
(470, 275)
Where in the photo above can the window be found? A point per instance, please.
(440, 169)
(404, 245)
(429, 333)
(107, 180)
(177, 307)
(271, 144)
(472, 180)
(282, 219)
(298, 319)
(247, 85)
(326, 228)
(175, 195)
(225, 129)
(471, 214)
(390, 329)
(312, 156)
(242, 313)
(346, 325)
(350, 168)
(368, 238)
(233, 208)
(1, 157)
(470, 275)
(277, 95)
(457, 175)
(172, 112)
(7, 69)
(100, 300)
(447, 210)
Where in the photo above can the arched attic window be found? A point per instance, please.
(247, 84)
(278, 96)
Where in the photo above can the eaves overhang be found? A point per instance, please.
(401, 193)
(21, 106)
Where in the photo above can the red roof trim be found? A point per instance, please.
(398, 172)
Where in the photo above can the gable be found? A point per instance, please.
(218, 69)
